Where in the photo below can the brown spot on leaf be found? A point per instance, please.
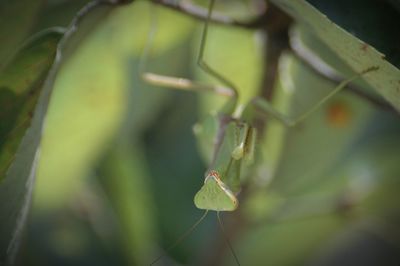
(338, 114)
(364, 47)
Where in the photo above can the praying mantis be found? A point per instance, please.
(233, 129)
(235, 139)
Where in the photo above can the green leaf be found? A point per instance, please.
(100, 90)
(340, 121)
(125, 176)
(358, 54)
(16, 187)
(325, 135)
(21, 84)
(16, 20)
(125, 172)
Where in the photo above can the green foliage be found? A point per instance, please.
(21, 84)
(16, 20)
(356, 53)
(27, 82)
(119, 167)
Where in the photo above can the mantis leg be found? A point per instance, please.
(267, 108)
(200, 59)
(183, 83)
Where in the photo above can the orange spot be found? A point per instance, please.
(338, 114)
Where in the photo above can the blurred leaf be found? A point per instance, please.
(21, 84)
(358, 54)
(93, 93)
(335, 126)
(97, 88)
(16, 20)
(125, 172)
(285, 243)
(58, 13)
(373, 174)
(369, 182)
(16, 188)
(126, 180)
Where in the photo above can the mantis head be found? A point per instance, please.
(215, 195)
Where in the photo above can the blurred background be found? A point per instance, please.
(120, 164)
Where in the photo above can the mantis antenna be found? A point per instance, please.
(182, 237)
(221, 226)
